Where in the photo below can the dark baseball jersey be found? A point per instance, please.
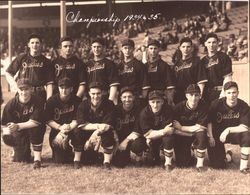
(188, 117)
(17, 112)
(134, 75)
(188, 72)
(160, 76)
(127, 121)
(62, 112)
(223, 116)
(103, 114)
(37, 69)
(103, 71)
(217, 67)
(72, 68)
(149, 120)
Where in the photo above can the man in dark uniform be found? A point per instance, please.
(102, 70)
(61, 117)
(132, 72)
(96, 121)
(218, 67)
(33, 66)
(68, 65)
(127, 128)
(156, 125)
(160, 75)
(190, 123)
(229, 123)
(188, 70)
(23, 124)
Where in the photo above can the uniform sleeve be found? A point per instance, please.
(145, 122)
(212, 111)
(227, 65)
(82, 74)
(143, 76)
(82, 113)
(109, 117)
(38, 113)
(7, 115)
(169, 77)
(200, 72)
(49, 72)
(15, 65)
(49, 110)
(169, 115)
(76, 105)
(176, 112)
(112, 73)
(245, 115)
(203, 118)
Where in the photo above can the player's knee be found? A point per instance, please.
(138, 145)
(121, 159)
(168, 142)
(9, 140)
(201, 141)
(107, 139)
(245, 139)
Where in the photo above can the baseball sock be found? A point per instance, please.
(245, 151)
(107, 154)
(37, 148)
(200, 155)
(37, 156)
(168, 156)
(77, 156)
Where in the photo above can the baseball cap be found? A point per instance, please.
(65, 82)
(32, 36)
(98, 40)
(193, 88)
(95, 85)
(186, 40)
(230, 84)
(155, 94)
(211, 35)
(23, 83)
(128, 42)
(66, 38)
(124, 89)
(153, 42)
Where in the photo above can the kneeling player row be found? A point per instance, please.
(96, 124)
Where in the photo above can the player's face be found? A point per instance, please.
(156, 104)
(66, 48)
(34, 45)
(95, 96)
(231, 96)
(153, 51)
(24, 94)
(211, 44)
(65, 92)
(193, 99)
(127, 99)
(186, 48)
(97, 49)
(127, 51)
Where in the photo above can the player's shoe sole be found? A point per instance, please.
(245, 171)
(37, 164)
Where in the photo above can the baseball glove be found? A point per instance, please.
(61, 141)
(9, 137)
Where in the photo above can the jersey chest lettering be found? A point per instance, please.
(190, 117)
(58, 112)
(26, 65)
(126, 70)
(158, 120)
(97, 66)
(128, 119)
(220, 117)
(67, 67)
(212, 62)
(183, 66)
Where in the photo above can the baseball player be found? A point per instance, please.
(160, 75)
(33, 66)
(68, 65)
(156, 125)
(229, 123)
(96, 120)
(132, 72)
(190, 123)
(23, 123)
(127, 128)
(61, 117)
(102, 70)
(188, 70)
(218, 67)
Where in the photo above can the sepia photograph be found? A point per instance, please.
(125, 97)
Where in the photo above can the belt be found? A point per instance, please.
(39, 88)
(217, 88)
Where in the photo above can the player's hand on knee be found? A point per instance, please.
(13, 127)
(223, 135)
(123, 145)
(211, 141)
(148, 142)
(168, 129)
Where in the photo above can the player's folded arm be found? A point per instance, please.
(193, 128)
(28, 124)
(239, 129)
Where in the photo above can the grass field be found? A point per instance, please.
(19, 178)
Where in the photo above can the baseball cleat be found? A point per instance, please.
(107, 166)
(37, 164)
(245, 171)
(168, 168)
(200, 169)
(77, 165)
